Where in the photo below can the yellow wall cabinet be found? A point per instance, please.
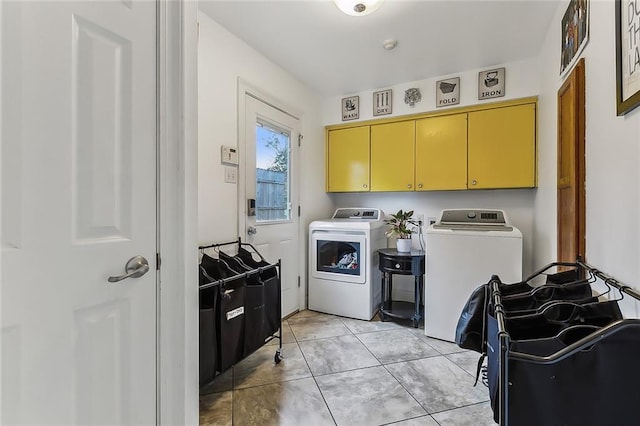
(441, 153)
(487, 146)
(502, 147)
(392, 156)
(348, 160)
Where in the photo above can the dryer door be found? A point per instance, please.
(339, 256)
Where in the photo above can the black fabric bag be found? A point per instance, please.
(271, 291)
(537, 395)
(208, 350)
(230, 328)
(469, 330)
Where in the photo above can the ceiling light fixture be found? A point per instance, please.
(358, 7)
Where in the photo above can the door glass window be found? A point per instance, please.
(273, 202)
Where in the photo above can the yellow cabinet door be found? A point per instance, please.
(502, 147)
(348, 160)
(392, 156)
(441, 153)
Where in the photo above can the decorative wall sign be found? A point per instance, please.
(350, 108)
(491, 83)
(382, 102)
(448, 92)
(575, 33)
(627, 56)
(412, 96)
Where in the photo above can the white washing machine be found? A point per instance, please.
(344, 278)
(464, 249)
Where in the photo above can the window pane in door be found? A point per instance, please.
(272, 173)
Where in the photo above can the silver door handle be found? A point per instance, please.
(136, 267)
(252, 230)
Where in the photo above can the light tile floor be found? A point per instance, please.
(342, 371)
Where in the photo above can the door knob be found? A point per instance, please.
(136, 267)
(252, 230)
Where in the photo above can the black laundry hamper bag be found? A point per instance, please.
(230, 312)
(568, 392)
(254, 309)
(269, 277)
(208, 350)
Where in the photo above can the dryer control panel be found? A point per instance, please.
(357, 214)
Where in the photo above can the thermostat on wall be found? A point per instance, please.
(229, 155)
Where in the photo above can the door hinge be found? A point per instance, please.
(158, 261)
(300, 137)
(298, 211)
(298, 281)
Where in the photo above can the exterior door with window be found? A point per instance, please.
(269, 219)
(78, 195)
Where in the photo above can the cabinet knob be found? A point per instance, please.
(364, 185)
(409, 186)
(397, 266)
(419, 185)
(473, 182)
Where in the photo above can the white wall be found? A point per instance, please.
(612, 156)
(222, 60)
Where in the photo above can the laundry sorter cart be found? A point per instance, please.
(240, 307)
(581, 370)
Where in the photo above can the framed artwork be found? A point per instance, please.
(491, 83)
(575, 33)
(382, 102)
(350, 108)
(627, 56)
(448, 92)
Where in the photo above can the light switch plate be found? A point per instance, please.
(230, 174)
(229, 155)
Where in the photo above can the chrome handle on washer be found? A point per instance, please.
(136, 267)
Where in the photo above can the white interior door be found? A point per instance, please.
(78, 194)
(270, 157)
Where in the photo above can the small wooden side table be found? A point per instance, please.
(392, 262)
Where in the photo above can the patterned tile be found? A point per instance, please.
(336, 354)
(317, 327)
(298, 402)
(287, 335)
(417, 421)
(259, 368)
(441, 346)
(306, 314)
(369, 396)
(359, 326)
(472, 415)
(438, 384)
(222, 382)
(396, 345)
(467, 360)
(216, 409)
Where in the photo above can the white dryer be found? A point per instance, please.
(344, 278)
(464, 249)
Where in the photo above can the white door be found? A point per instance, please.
(270, 164)
(78, 168)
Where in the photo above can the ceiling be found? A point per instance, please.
(335, 54)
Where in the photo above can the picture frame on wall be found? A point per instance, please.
(448, 92)
(491, 83)
(627, 57)
(350, 108)
(382, 102)
(575, 34)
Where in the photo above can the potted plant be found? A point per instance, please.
(399, 227)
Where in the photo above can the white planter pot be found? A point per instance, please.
(403, 244)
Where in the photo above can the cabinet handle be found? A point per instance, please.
(364, 185)
(409, 186)
(419, 185)
(473, 182)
